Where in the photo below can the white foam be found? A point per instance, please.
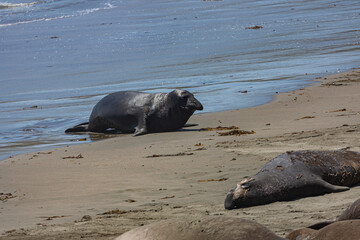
(34, 20)
(4, 5)
(78, 13)
(109, 6)
(87, 11)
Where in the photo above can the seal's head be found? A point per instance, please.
(254, 191)
(238, 195)
(186, 100)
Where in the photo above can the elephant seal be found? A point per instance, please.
(297, 174)
(141, 113)
(207, 228)
(351, 213)
(348, 229)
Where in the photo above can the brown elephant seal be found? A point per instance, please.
(208, 228)
(301, 234)
(297, 174)
(347, 230)
(141, 113)
(351, 213)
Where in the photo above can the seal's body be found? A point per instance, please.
(351, 213)
(297, 174)
(201, 228)
(141, 113)
(347, 229)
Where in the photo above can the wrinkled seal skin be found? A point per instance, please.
(351, 213)
(206, 228)
(129, 111)
(297, 174)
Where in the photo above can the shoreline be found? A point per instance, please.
(123, 182)
(68, 140)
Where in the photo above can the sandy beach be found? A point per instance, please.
(102, 189)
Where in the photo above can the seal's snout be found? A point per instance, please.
(229, 202)
(187, 100)
(193, 103)
(198, 105)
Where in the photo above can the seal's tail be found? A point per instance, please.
(82, 127)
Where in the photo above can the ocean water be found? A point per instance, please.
(59, 57)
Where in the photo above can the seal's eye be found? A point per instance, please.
(245, 186)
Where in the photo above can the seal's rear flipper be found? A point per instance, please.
(82, 127)
(333, 188)
(320, 225)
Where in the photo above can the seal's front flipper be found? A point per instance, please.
(139, 131)
(82, 127)
(141, 128)
(333, 188)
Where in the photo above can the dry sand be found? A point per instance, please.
(102, 189)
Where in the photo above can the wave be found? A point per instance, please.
(5, 5)
(34, 20)
(78, 13)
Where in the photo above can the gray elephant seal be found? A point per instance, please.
(297, 174)
(141, 113)
(208, 228)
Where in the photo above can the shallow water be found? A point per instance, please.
(58, 58)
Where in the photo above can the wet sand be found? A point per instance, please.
(100, 190)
